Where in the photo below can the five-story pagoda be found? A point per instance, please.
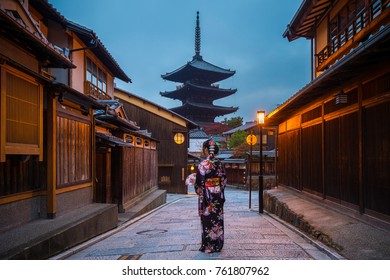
(198, 87)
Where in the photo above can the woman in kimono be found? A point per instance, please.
(210, 186)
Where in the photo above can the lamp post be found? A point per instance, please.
(250, 140)
(260, 122)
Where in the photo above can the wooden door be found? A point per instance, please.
(103, 177)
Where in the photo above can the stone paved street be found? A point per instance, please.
(173, 232)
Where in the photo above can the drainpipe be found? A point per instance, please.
(312, 58)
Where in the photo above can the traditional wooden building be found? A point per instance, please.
(197, 138)
(57, 89)
(334, 134)
(198, 87)
(268, 134)
(28, 117)
(126, 160)
(172, 132)
(122, 152)
(268, 142)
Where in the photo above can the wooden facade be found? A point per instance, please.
(140, 177)
(126, 160)
(334, 137)
(269, 144)
(236, 171)
(28, 117)
(163, 124)
(56, 154)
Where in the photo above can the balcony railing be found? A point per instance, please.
(95, 92)
(353, 28)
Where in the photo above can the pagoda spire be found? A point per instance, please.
(197, 37)
(198, 90)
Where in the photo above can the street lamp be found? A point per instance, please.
(260, 122)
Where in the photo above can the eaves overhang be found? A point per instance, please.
(142, 102)
(87, 35)
(48, 11)
(210, 92)
(375, 50)
(68, 93)
(34, 42)
(212, 109)
(309, 14)
(198, 68)
(111, 141)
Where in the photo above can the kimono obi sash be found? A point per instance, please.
(213, 185)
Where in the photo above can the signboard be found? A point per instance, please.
(251, 139)
(179, 138)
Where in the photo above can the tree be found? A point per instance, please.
(237, 139)
(234, 122)
(215, 128)
(241, 150)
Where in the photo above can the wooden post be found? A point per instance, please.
(323, 150)
(250, 175)
(276, 135)
(40, 123)
(51, 156)
(92, 158)
(3, 115)
(261, 177)
(360, 148)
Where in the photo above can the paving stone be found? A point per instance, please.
(161, 235)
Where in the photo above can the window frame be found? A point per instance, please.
(98, 74)
(9, 148)
(349, 11)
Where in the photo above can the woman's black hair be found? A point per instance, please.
(211, 147)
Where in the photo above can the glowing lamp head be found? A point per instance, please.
(260, 117)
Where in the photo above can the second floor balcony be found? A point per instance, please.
(95, 92)
(365, 23)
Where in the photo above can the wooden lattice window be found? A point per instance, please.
(22, 115)
(96, 76)
(73, 151)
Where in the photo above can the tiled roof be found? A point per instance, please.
(113, 140)
(109, 114)
(210, 107)
(306, 19)
(34, 39)
(198, 133)
(243, 127)
(86, 35)
(191, 124)
(198, 68)
(188, 88)
(374, 49)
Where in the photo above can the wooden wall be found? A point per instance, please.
(377, 158)
(311, 158)
(289, 159)
(342, 153)
(20, 174)
(341, 158)
(73, 151)
(134, 173)
(236, 176)
(172, 158)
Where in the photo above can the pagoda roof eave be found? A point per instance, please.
(199, 106)
(213, 92)
(212, 113)
(204, 68)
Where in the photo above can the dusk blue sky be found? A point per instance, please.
(149, 38)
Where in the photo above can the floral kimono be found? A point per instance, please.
(210, 185)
